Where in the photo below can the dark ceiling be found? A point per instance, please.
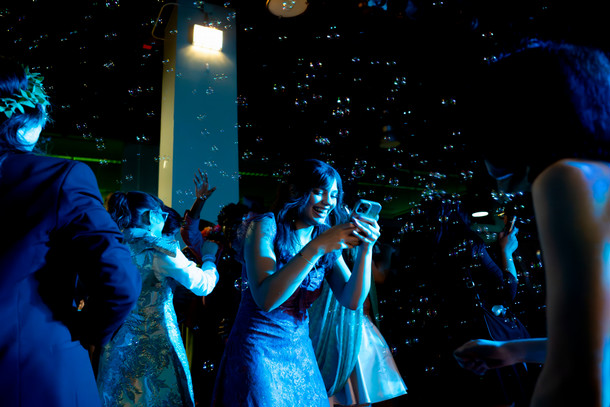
(329, 84)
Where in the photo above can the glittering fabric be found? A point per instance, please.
(269, 359)
(145, 364)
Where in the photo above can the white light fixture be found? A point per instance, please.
(207, 37)
(480, 214)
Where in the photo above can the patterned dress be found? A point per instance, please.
(145, 363)
(269, 358)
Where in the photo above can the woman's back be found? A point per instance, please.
(157, 289)
(145, 364)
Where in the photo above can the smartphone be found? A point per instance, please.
(367, 209)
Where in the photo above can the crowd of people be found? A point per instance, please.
(103, 305)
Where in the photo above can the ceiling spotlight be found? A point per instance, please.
(287, 8)
(480, 214)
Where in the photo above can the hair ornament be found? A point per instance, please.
(30, 97)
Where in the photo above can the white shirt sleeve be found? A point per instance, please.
(201, 281)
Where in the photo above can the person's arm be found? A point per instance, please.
(481, 355)
(191, 236)
(571, 203)
(508, 244)
(201, 281)
(352, 288)
(202, 193)
(501, 285)
(189, 231)
(271, 287)
(107, 271)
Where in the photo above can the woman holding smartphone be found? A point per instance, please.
(287, 255)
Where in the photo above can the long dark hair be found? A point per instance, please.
(126, 208)
(540, 103)
(293, 197)
(14, 80)
(172, 223)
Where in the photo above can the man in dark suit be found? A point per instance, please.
(57, 236)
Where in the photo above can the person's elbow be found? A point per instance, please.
(264, 301)
(351, 302)
(267, 304)
(354, 304)
(354, 299)
(268, 307)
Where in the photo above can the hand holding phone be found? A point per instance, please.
(508, 238)
(512, 224)
(365, 215)
(366, 209)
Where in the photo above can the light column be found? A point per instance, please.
(199, 110)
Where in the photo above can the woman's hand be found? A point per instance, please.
(481, 355)
(338, 237)
(367, 231)
(202, 187)
(508, 241)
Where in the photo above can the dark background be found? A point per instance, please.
(326, 84)
(322, 84)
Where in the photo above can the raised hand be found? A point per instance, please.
(202, 187)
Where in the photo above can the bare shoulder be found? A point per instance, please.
(570, 179)
(262, 229)
(264, 224)
(574, 168)
(573, 196)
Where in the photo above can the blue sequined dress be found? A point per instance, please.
(145, 363)
(269, 358)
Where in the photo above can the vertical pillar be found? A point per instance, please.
(199, 111)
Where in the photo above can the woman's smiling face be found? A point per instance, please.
(322, 201)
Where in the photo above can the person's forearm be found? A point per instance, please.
(357, 288)
(531, 350)
(508, 264)
(277, 288)
(195, 211)
(189, 231)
